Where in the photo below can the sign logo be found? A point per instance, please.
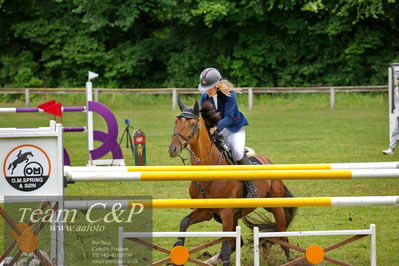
(27, 167)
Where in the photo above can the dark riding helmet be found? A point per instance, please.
(208, 79)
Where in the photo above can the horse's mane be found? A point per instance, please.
(210, 115)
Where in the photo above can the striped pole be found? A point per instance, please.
(332, 166)
(270, 202)
(36, 109)
(232, 175)
(236, 203)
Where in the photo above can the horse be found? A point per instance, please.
(21, 157)
(191, 132)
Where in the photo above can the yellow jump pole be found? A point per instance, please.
(246, 175)
(209, 175)
(268, 202)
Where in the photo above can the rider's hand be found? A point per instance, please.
(212, 130)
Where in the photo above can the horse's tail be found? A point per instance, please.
(263, 222)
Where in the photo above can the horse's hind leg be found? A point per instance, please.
(196, 216)
(13, 168)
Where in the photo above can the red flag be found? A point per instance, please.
(46, 104)
(55, 109)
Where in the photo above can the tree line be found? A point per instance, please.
(167, 43)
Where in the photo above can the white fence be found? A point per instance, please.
(176, 91)
(357, 233)
(134, 235)
(272, 236)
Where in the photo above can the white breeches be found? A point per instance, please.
(394, 133)
(236, 141)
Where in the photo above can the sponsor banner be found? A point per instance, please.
(27, 167)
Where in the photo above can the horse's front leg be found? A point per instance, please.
(229, 223)
(196, 216)
(279, 216)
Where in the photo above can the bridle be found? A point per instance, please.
(185, 144)
(187, 140)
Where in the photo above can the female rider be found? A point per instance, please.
(221, 94)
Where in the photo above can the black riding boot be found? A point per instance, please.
(252, 193)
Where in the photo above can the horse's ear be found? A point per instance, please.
(181, 104)
(196, 108)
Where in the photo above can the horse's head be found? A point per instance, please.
(186, 126)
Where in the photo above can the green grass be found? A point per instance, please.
(292, 128)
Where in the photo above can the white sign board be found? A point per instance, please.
(31, 161)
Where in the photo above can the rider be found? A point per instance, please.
(221, 94)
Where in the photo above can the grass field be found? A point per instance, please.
(287, 129)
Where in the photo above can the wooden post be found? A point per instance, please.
(250, 98)
(332, 98)
(174, 99)
(27, 98)
(96, 98)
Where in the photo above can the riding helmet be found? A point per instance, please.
(208, 79)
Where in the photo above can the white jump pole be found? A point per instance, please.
(332, 166)
(89, 98)
(240, 203)
(232, 175)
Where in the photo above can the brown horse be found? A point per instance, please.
(191, 133)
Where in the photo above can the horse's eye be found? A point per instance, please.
(192, 125)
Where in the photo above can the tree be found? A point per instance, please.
(167, 43)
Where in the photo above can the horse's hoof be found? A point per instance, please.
(215, 260)
(178, 243)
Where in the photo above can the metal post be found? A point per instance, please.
(27, 98)
(250, 98)
(256, 246)
(174, 99)
(332, 98)
(373, 246)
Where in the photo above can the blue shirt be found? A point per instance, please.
(232, 118)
